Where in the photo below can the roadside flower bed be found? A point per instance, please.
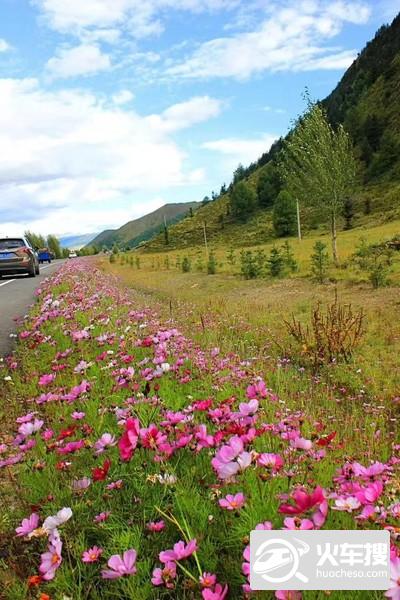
(139, 463)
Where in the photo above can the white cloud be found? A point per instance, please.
(86, 59)
(292, 37)
(241, 150)
(140, 17)
(4, 46)
(67, 154)
(123, 97)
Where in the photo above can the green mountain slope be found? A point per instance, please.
(366, 101)
(134, 232)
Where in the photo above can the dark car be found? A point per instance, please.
(17, 256)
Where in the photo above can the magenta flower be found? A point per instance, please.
(46, 379)
(51, 560)
(296, 523)
(179, 551)
(371, 493)
(288, 595)
(164, 576)
(28, 525)
(303, 501)
(231, 502)
(218, 593)
(120, 565)
(257, 390)
(103, 516)
(156, 526)
(128, 442)
(394, 590)
(92, 555)
(208, 580)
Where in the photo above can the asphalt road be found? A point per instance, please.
(16, 296)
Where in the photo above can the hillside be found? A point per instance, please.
(138, 230)
(366, 102)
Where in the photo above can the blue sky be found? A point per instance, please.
(111, 108)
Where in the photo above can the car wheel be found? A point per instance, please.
(37, 270)
(32, 271)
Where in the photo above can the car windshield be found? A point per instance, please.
(6, 244)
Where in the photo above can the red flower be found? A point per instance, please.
(129, 439)
(100, 473)
(303, 501)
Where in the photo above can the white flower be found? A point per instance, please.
(54, 521)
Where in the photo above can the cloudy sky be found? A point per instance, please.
(111, 108)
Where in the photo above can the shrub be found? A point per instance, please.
(231, 256)
(275, 263)
(137, 262)
(186, 264)
(112, 258)
(284, 215)
(211, 265)
(249, 266)
(376, 260)
(330, 337)
(319, 262)
(288, 258)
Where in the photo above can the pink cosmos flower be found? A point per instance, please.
(77, 416)
(371, 493)
(28, 525)
(120, 565)
(71, 447)
(249, 408)
(301, 443)
(92, 555)
(394, 590)
(296, 523)
(231, 502)
(31, 427)
(303, 501)
(151, 437)
(101, 517)
(288, 595)
(270, 460)
(179, 551)
(218, 593)
(165, 576)
(231, 458)
(51, 560)
(81, 484)
(347, 504)
(156, 526)
(128, 442)
(106, 441)
(46, 379)
(208, 580)
(257, 390)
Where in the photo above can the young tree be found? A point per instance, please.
(348, 213)
(284, 214)
(243, 200)
(268, 185)
(319, 261)
(318, 165)
(54, 246)
(275, 262)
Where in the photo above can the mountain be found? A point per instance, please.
(139, 230)
(366, 101)
(75, 242)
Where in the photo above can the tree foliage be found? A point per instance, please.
(243, 200)
(318, 165)
(284, 214)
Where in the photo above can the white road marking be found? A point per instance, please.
(11, 280)
(6, 282)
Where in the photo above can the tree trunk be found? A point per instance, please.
(334, 239)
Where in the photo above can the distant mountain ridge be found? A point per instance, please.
(143, 228)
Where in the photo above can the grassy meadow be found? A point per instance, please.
(152, 418)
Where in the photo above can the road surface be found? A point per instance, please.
(16, 296)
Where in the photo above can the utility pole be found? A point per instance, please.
(205, 238)
(298, 219)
